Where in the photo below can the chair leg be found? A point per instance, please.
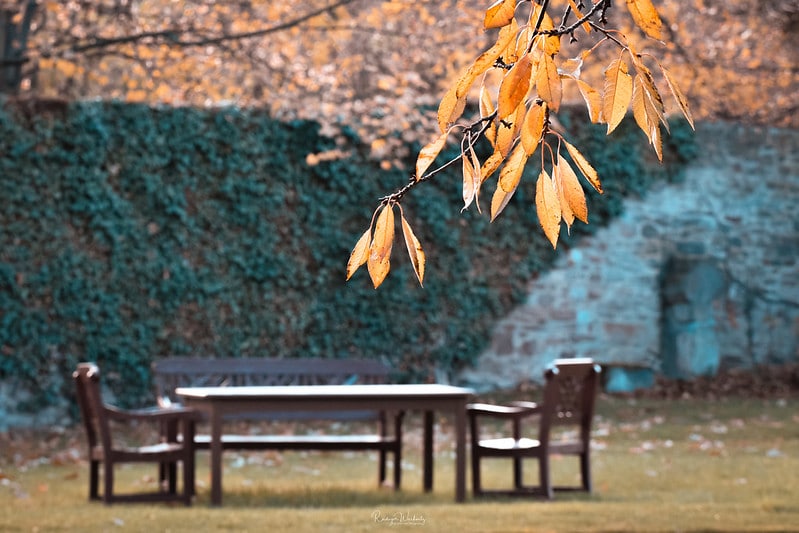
(585, 470)
(162, 475)
(172, 475)
(517, 473)
(517, 461)
(188, 478)
(94, 480)
(108, 479)
(188, 436)
(476, 488)
(543, 472)
(381, 473)
(397, 467)
(398, 449)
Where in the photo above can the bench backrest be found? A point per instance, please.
(175, 371)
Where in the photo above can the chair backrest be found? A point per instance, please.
(570, 391)
(87, 385)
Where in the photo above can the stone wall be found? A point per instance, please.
(692, 278)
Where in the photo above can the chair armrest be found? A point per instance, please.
(496, 411)
(532, 407)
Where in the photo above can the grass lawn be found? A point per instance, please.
(680, 465)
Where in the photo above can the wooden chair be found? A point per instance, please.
(97, 418)
(569, 395)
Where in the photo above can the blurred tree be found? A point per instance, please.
(370, 64)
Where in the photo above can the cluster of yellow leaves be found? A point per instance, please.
(515, 118)
(374, 246)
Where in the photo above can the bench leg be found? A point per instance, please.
(427, 458)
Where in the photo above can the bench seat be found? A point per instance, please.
(299, 442)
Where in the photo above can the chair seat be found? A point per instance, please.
(509, 443)
(142, 453)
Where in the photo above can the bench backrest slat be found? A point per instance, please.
(175, 371)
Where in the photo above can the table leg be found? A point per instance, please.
(216, 457)
(460, 454)
(427, 456)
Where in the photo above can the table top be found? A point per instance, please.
(306, 392)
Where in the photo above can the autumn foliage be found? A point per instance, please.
(519, 83)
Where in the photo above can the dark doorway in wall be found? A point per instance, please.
(689, 344)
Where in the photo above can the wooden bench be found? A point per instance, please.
(172, 372)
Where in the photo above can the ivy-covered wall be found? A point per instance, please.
(128, 232)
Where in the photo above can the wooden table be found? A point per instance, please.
(217, 402)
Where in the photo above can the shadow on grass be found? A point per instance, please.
(319, 497)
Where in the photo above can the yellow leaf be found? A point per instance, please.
(533, 127)
(518, 118)
(645, 16)
(514, 87)
(450, 109)
(549, 44)
(359, 254)
(647, 114)
(499, 201)
(499, 14)
(682, 102)
(548, 83)
(570, 190)
(378, 263)
(584, 166)
(491, 165)
(566, 214)
(414, 249)
(429, 153)
(476, 176)
(508, 129)
(468, 180)
(585, 25)
(486, 104)
(651, 91)
(640, 107)
(657, 142)
(571, 68)
(506, 132)
(487, 59)
(521, 45)
(618, 93)
(486, 109)
(511, 173)
(504, 138)
(547, 207)
(593, 100)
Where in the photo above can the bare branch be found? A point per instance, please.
(175, 36)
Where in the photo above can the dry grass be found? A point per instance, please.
(685, 465)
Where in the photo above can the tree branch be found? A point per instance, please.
(483, 125)
(173, 36)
